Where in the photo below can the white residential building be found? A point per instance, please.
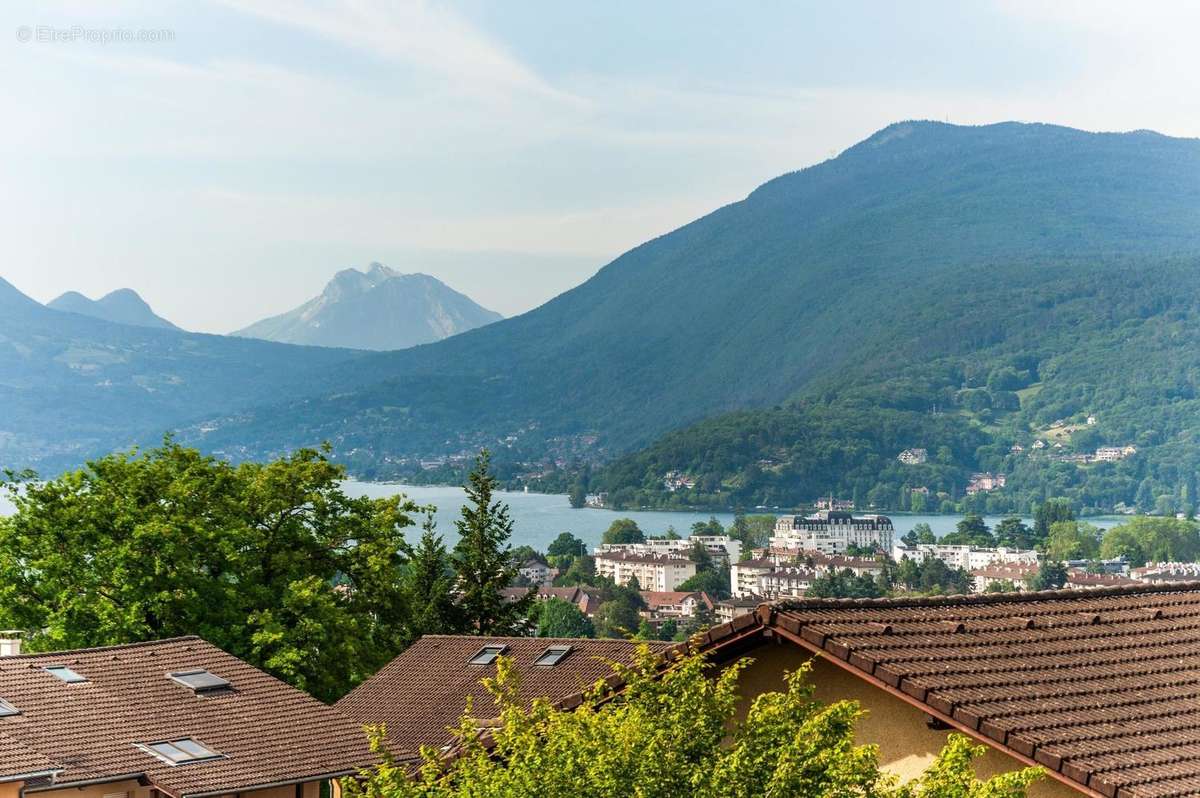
(985, 481)
(658, 572)
(674, 604)
(744, 576)
(789, 581)
(1162, 572)
(966, 557)
(832, 532)
(720, 547)
(731, 608)
(538, 573)
(913, 456)
(789, 572)
(1111, 454)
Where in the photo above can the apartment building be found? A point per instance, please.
(659, 572)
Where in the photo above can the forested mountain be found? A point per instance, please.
(935, 286)
(377, 309)
(914, 263)
(72, 386)
(122, 306)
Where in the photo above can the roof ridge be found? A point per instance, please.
(483, 639)
(960, 599)
(62, 652)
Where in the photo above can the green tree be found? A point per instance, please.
(581, 571)
(672, 733)
(1143, 539)
(482, 560)
(1048, 513)
(843, 584)
(753, 531)
(623, 530)
(710, 527)
(1050, 575)
(920, 533)
(429, 586)
(616, 618)
(577, 496)
(668, 630)
(1073, 540)
(272, 562)
(714, 582)
(566, 545)
(558, 618)
(970, 531)
(1013, 533)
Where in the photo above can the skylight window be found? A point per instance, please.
(7, 710)
(181, 751)
(66, 674)
(487, 655)
(199, 680)
(552, 656)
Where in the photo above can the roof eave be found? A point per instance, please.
(269, 785)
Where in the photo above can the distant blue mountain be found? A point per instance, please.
(377, 309)
(122, 306)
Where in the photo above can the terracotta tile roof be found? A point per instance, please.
(669, 598)
(1101, 687)
(20, 762)
(421, 693)
(267, 732)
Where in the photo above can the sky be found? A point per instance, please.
(225, 159)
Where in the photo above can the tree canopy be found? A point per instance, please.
(623, 530)
(674, 733)
(272, 562)
(1144, 539)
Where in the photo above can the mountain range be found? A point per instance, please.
(378, 309)
(958, 288)
(122, 306)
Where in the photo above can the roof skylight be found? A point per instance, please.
(199, 680)
(181, 751)
(66, 674)
(487, 655)
(7, 710)
(552, 656)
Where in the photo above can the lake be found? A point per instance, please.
(540, 517)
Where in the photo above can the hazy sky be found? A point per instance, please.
(511, 148)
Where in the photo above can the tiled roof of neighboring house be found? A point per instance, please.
(761, 563)
(1101, 687)
(421, 693)
(266, 732)
(581, 598)
(1081, 578)
(670, 598)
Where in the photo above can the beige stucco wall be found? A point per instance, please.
(906, 745)
(10, 789)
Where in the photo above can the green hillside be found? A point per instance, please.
(1115, 340)
(891, 276)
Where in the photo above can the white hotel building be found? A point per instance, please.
(831, 532)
